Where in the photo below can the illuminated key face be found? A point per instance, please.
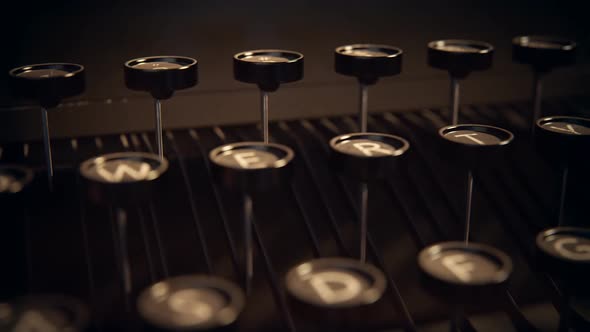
(476, 135)
(125, 167)
(13, 179)
(191, 302)
(567, 244)
(335, 282)
(51, 313)
(157, 65)
(369, 145)
(566, 125)
(458, 263)
(252, 156)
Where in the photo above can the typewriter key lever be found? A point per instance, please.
(459, 58)
(542, 53)
(335, 293)
(248, 168)
(462, 273)
(190, 303)
(472, 146)
(160, 76)
(122, 180)
(251, 167)
(563, 141)
(564, 252)
(268, 69)
(366, 156)
(367, 62)
(48, 84)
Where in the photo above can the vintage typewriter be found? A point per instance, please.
(468, 217)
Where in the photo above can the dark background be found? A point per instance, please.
(102, 35)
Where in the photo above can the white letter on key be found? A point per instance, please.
(367, 147)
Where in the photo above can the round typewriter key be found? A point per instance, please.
(565, 251)
(252, 166)
(160, 76)
(191, 303)
(122, 176)
(14, 179)
(48, 84)
(368, 62)
(336, 282)
(366, 155)
(268, 68)
(472, 145)
(460, 57)
(544, 52)
(563, 139)
(563, 142)
(336, 293)
(44, 313)
(465, 270)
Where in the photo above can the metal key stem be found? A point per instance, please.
(561, 212)
(468, 205)
(363, 106)
(264, 114)
(363, 221)
(47, 145)
(125, 266)
(159, 140)
(454, 100)
(248, 250)
(537, 98)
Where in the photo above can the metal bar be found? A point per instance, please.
(248, 250)
(537, 98)
(455, 100)
(159, 140)
(363, 106)
(264, 114)
(121, 219)
(363, 212)
(561, 218)
(47, 145)
(468, 201)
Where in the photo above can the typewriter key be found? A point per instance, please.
(336, 292)
(368, 62)
(122, 180)
(563, 140)
(542, 53)
(367, 156)
(462, 273)
(268, 68)
(459, 58)
(247, 168)
(57, 313)
(48, 84)
(191, 303)
(252, 166)
(14, 179)
(472, 146)
(564, 252)
(160, 76)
